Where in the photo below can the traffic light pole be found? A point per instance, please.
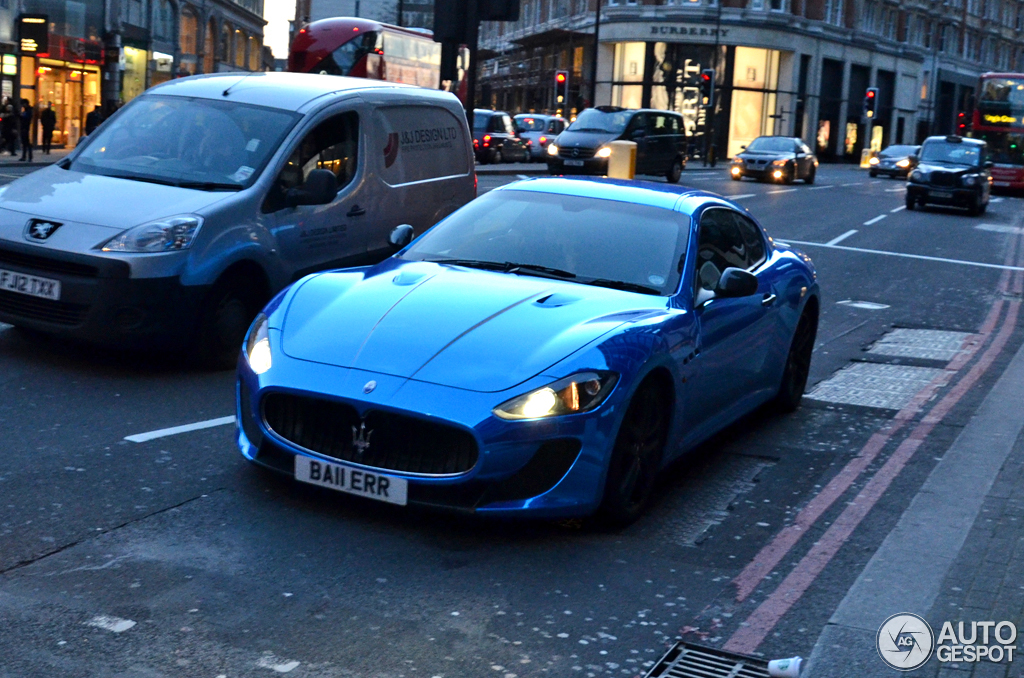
(593, 61)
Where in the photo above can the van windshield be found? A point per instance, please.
(188, 142)
(596, 120)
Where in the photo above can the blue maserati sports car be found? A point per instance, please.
(543, 351)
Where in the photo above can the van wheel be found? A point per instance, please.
(675, 172)
(229, 310)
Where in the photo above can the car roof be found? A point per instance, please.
(665, 196)
(963, 140)
(276, 89)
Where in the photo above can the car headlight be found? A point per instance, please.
(257, 345)
(779, 163)
(604, 152)
(873, 161)
(917, 175)
(163, 235)
(970, 179)
(905, 162)
(735, 169)
(552, 149)
(580, 392)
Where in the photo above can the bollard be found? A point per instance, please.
(622, 161)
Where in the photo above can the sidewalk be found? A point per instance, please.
(38, 158)
(956, 554)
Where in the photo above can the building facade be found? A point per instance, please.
(792, 67)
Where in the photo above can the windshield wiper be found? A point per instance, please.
(469, 263)
(621, 285)
(591, 129)
(148, 180)
(534, 268)
(209, 186)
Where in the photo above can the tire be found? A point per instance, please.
(974, 207)
(675, 172)
(636, 457)
(910, 203)
(798, 363)
(810, 176)
(496, 157)
(790, 176)
(873, 174)
(228, 312)
(982, 208)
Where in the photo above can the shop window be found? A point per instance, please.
(239, 48)
(755, 79)
(629, 61)
(164, 20)
(189, 34)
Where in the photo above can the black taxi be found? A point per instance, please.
(951, 170)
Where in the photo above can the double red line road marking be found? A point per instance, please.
(767, 615)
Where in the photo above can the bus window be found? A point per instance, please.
(341, 60)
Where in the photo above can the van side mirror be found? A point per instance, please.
(320, 188)
(401, 236)
(989, 164)
(735, 282)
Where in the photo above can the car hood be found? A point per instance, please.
(947, 167)
(470, 329)
(63, 195)
(766, 155)
(570, 139)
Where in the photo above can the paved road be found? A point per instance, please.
(174, 557)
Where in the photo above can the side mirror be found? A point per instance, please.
(735, 282)
(401, 236)
(637, 134)
(912, 157)
(743, 148)
(320, 188)
(989, 164)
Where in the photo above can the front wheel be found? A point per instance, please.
(230, 308)
(636, 457)
(810, 175)
(798, 364)
(974, 207)
(790, 176)
(675, 172)
(873, 174)
(910, 203)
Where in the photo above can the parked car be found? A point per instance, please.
(539, 130)
(495, 140)
(172, 224)
(594, 331)
(583, 147)
(951, 170)
(772, 158)
(894, 161)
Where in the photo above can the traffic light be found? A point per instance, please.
(961, 123)
(707, 87)
(871, 102)
(561, 87)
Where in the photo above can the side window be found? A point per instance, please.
(752, 238)
(495, 124)
(552, 126)
(332, 145)
(509, 129)
(637, 124)
(720, 246)
(657, 124)
(673, 124)
(560, 126)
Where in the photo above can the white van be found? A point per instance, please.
(174, 222)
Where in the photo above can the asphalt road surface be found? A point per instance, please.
(175, 557)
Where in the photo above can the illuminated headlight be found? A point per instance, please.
(917, 175)
(873, 161)
(777, 174)
(257, 346)
(903, 163)
(604, 152)
(162, 235)
(552, 149)
(970, 179)
(779, 163)
(578, 393)
(735, 169)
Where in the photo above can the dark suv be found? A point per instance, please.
(583, 147)
(495, 140)
(951, 171)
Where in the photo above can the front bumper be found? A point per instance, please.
(99, 301)
(942, 195)
(762, 174)
(590, 166)
(891, 171)
(545, 468)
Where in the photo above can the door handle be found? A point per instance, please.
(768, 300)
(356, 211)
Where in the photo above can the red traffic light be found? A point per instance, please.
(560, 78)
(706, 77)
(871, 94)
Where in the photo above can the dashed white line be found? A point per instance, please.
(895, 190)
(175, 430)
(844, 236)
(818, 188)
(1000, 228)
(875, 220)
(898, 209)
(782, 190)
(904, 255)
(741, 197)
(856, 183)
(995, 200)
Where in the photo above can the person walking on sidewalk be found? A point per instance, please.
(48, 119)
(8, 125)
(27, 113)
(93, 120)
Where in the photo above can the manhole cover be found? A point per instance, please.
(686, 660)
(928, 344)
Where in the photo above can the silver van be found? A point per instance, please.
(173, 223)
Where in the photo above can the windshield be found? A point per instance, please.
(1002, 101)
(596, 120)
(957, 153)
(772, 145)
(530, 124)
(189, 142)
(898, 151)
(480, 120)
(1003, 147)
(591, 240)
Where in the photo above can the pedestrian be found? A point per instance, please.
(27, 113)
(48, 119)
(93, 120)
(8, 125)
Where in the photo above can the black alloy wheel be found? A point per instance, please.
(636, 457)
(675, 172)
(230, 309)
(798, 364)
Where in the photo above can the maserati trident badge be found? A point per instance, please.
(361, 438)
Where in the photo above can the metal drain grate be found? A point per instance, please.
(686, 660)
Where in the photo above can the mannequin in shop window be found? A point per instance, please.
(48, 120)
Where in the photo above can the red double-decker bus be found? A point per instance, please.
(362, 48)
(999, 120)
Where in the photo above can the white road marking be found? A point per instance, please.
(818, 188)
(898, 209)
(875, 220)
(175, 430)
(115, 624)
(841, 238)
(866, 305)
(904, 255)
(856, 183)
(895, 190)
(741, 197)
(783, 190)
(1000, 228)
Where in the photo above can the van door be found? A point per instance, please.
(637, 131)
(314, 237)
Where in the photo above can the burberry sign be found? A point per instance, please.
(683, 29)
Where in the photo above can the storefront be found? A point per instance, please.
(73, 90)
